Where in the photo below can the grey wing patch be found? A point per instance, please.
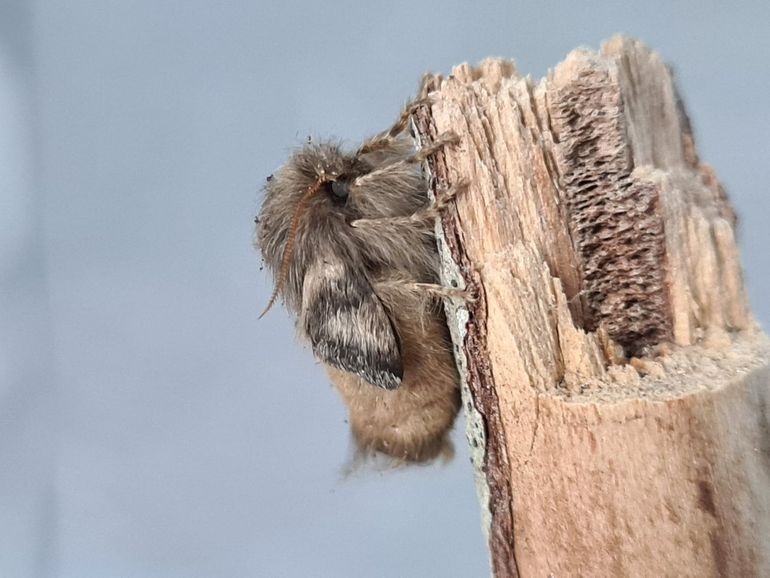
(348, 326)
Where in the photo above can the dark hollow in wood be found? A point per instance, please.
(615, 223)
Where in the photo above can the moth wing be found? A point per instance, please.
(348, 326)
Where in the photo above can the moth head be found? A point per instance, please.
(309, 196)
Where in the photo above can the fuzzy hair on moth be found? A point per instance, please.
(349, 238)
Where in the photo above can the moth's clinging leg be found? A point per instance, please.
(448, 138)
(386, 139)
(443, 200)
(433, 290)
(444, 140)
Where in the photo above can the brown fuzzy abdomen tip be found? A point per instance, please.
(405, 445)
(411, 423)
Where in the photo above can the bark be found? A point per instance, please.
(615, 383)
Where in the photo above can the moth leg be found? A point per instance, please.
(387, 138)
(421, 290)
(437, 290)
(449, 138)
(388, 170)
(443, 200)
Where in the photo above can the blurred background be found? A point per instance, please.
(149, 425)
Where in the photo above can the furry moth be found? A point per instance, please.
(349, 239)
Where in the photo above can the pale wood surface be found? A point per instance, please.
(617, 388)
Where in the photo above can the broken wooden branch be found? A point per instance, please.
(617, 388)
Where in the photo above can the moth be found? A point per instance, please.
(349, 239)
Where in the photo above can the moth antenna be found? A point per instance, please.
(290, 238)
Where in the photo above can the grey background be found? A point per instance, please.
(149, 425)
